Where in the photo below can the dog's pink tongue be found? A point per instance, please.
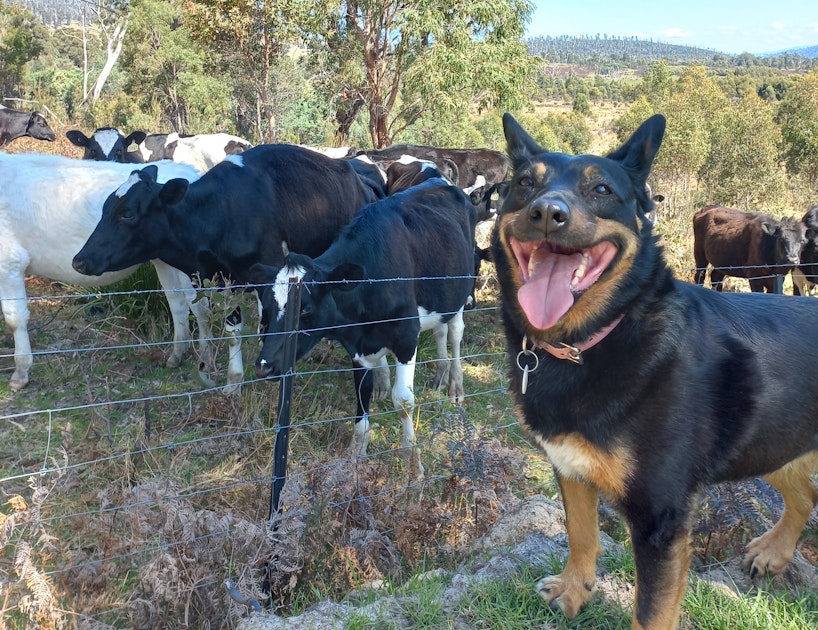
(546, 296)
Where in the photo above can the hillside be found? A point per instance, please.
(608, 54)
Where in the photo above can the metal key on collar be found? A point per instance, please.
(525, 369)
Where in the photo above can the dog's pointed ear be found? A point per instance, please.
(638, 153)
(519, 145)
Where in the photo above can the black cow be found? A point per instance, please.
(805, 275)
(746, 245)
(401, 266)
(108, 144)
(464, 166)
(16, 124)
(247, 209)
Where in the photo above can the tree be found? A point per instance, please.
(248, 38)
(112, 20)
(425, 56)
(742, 169)
(166, 78)
(798, 117)
(21, 39)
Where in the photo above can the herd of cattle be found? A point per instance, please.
(384, 241)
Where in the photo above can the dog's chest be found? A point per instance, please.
(575, 457)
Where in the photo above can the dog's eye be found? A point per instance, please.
(602, 189)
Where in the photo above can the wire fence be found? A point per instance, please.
(137, 496)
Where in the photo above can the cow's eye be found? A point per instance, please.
(526, 181)
(306, 310)
(602, 189)
(127, 217)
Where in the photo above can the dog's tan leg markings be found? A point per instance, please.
(770, 552)
(659, 596)
(572, 588)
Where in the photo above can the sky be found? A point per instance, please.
(728, 26)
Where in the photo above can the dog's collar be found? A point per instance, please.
(574, 352)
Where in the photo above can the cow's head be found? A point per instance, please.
(108, 144)
(319, 309)
(789, 235)
(38, 128)
(134, 224)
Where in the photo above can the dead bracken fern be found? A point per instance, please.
(32, 594)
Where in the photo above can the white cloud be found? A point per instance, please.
(778, 26)
(729, 27)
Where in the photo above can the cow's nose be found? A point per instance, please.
(549, 214)
(80, 266)
(263, 369)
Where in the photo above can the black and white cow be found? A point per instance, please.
(16, 124)
(239, 213)
(201, 151)
(404, 264)
(107, 144)
(49, 205)
(463, 167)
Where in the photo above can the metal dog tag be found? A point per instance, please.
(525, 352)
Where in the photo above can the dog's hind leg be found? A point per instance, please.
(572, 588)
(661, 578)
(770, 552)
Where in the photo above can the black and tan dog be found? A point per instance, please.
(638, 386)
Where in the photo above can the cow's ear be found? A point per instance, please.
(768, 227)
(174, 191)
(346, 276)
(77, 138)
(137, 137)
(519, 145)
(638, 153)
(259, 273)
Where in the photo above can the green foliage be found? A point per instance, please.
(798, 117)
(742, 169)
(22, 38)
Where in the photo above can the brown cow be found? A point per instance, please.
(746, 245)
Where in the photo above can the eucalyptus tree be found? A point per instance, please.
(419, 57)
(798, 117)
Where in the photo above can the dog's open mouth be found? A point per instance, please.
(553, 276)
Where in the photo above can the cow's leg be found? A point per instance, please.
(456, 328)
(717, 279)
(701, 261)
(380, 375)
(799, 282)
(16, 314)
(235, 366)
(364, 381)
(181, 297)
(441, 333)
(403, 397)
(758, 285)
(770, 552)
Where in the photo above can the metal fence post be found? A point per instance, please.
(285, 394)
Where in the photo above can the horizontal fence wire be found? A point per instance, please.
(105, 439)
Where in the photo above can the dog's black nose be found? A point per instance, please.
(551, 214)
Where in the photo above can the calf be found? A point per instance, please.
(49, 205)
(805, 275)
(403, 265)
(746, 245)
(16, 124)
(244, 210)
(107, 144)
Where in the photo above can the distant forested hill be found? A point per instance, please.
(608, 54)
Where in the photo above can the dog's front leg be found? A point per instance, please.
(662, 561)
(571, 589)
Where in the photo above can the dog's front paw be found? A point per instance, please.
(766, 555)
(566, 592)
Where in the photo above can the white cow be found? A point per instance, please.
(49, 205)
